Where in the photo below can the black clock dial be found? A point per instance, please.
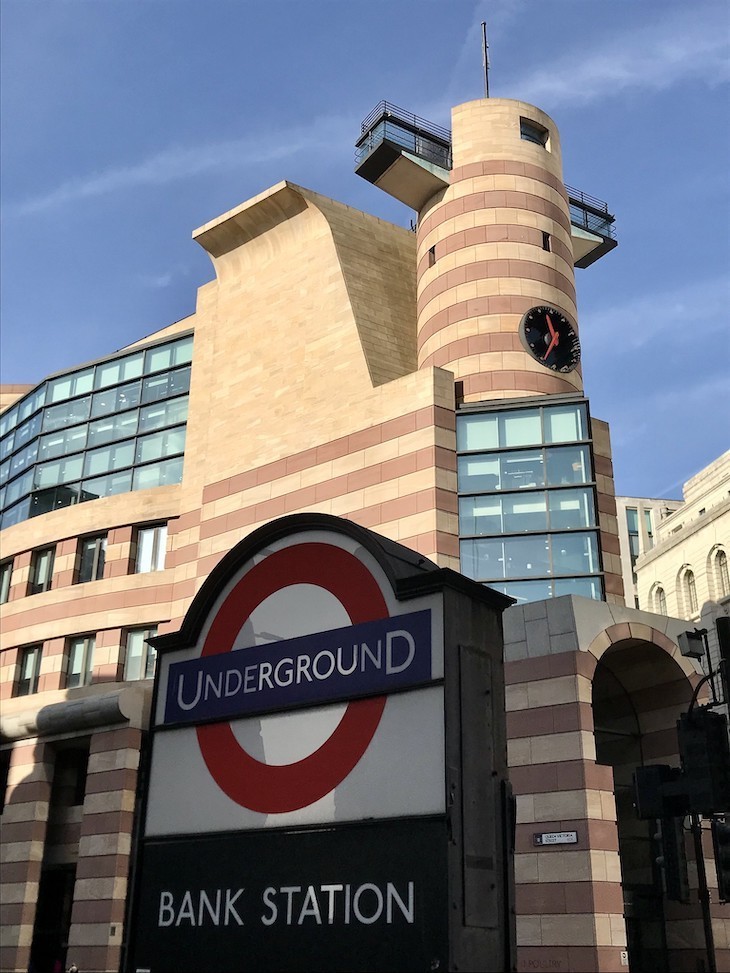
(550, 338)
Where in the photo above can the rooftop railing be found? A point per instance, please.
(389, 123)
(590, 213)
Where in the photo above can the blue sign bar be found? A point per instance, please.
(361, 660)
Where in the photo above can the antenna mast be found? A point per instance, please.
(485, 59)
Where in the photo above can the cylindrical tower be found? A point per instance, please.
(496, 286)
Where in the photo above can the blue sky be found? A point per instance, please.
(128, 123)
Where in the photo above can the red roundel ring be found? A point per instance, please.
(270, 788)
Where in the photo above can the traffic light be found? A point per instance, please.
(673, 859)
(652, 797)
(721, 845)
(705, 753)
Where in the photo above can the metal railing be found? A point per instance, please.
(590, 213)
(388, 122)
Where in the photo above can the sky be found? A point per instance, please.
(126, 124)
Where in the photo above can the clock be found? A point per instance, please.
(550, 338)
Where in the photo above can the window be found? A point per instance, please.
(66, 414)
(529, 486)
(151, 544)
(166, 385)
(58, 471)
(57, 433)
(79, 661)
(161, 414)
(169, 355)
(139, 662)
(109, 458)
(29, 668)
(6, 573)
(533, 132)
(91, 557)
(431, 256)
(41, 570)
(722, 578)
(62, 442)
(690, 591)
(546, 242)
(660, 600)
(106, 486)
(69, 385)
(118, 370)
(649, 528)
(529, 556)
(158, 474)
(116, 399)
(160, 444)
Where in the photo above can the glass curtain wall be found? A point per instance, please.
(105, 429)
(527, 506)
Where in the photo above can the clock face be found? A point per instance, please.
(550, 338)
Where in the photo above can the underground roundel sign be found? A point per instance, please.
(306, 667)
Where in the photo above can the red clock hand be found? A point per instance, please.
(553, 343)
(551, 329)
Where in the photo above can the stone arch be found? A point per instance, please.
(640, 685)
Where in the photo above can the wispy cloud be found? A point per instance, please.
(651, 433)
(157, 281)
(182, 162)
(696, 308)
(678, 48)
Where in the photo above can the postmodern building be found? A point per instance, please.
(426, 385)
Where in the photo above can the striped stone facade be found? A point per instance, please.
(491, 246)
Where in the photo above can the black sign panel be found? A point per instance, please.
(363, 897)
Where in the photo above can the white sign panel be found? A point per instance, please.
(400, 773)
(309, 698)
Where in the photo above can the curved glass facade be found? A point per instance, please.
(527, 507)
(107, 428)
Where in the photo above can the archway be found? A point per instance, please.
(640, 687)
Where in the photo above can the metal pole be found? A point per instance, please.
(702, 632)
(703, 892)
(485, 59)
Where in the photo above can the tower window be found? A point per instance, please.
(533, 132)
(546, 242)
(431, 256)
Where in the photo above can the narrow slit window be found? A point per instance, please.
(546, 242)
(431, 256)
